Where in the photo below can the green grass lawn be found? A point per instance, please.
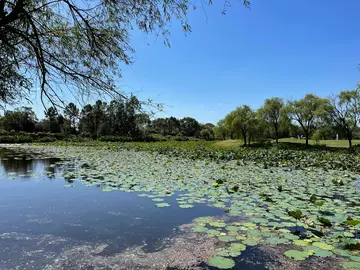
(328, 143)
(230, 144)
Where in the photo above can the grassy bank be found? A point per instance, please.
(231, 144)
(327, 143)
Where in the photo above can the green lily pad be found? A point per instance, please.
(226, 238)
(318, 251)
(296, 255)
(221, 262)
(158, 200)
(232, 228)
(353, 222)
(275, 241)
(341, 252)
(236, 247)
(217, 224)
(301, 243)
(249, 225)
(161, 205)
(186, 206)
(351, 265)
(323, 246)
(203, 219)
(251, 242)
(199, 229)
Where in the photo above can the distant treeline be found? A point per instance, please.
(311, 117)
(119, 120)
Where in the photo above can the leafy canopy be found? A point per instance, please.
(76, 45)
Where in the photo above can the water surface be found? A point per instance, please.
(37, 206)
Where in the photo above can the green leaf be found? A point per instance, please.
(218, 224)
(323, 246)
(161, 205)
(199, 229)
(158, 200)
(186, 206)
(296, 255)
(351, 265)
(221, 262)
(295, 214)
(237, 247)
(301, 243)
(325, 221)
(352, 222)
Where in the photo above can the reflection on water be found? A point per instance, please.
(39, 215)
(24, 164)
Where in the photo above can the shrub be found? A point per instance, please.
(47, 139)
(110, 138)
(180, 138)
(156, 138)
(15, 139)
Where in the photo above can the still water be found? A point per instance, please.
(42, 215)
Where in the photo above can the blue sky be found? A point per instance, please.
(277, 48)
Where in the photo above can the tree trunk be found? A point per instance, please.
(350, 140)
(307, 140)
(244, 136)
(277, 135)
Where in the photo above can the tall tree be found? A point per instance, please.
(220, 130)
(189, 126)
(229, 123)
(86, 123)
(241, 119)
(55, 119)
(99, 117)
(345, 112)
(142, 122)
(71, 113)
(79, 44)
(21, 119)
(271, 112)
(207, 131)
(307, 112)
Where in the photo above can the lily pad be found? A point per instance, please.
(218, 224)
(199, 229)
(161, 205)
(296, 255)
(323, 246)
(351, 265)
(237, 247)
(232, 228)
(186, 206)
(300, 243)
(158, 200)
(221, 262)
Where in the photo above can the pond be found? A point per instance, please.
(59, 212)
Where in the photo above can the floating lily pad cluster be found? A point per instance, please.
(255, 231)
(315, 210)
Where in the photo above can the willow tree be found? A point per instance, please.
(272, 112)
(240, 122)
(345, 112)
(308, 112)
(54, 45)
